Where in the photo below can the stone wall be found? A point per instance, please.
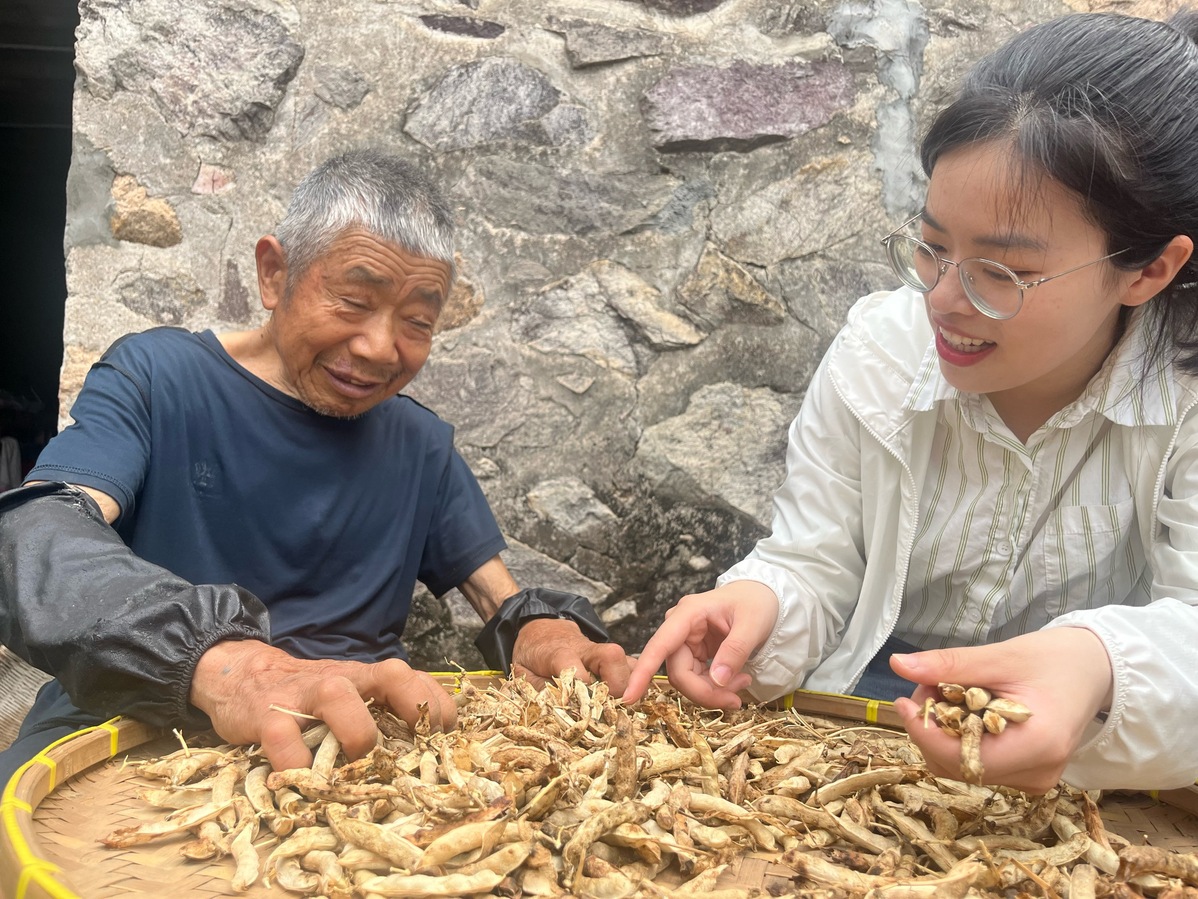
(665, 208)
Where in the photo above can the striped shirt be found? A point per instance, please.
(1011, 535)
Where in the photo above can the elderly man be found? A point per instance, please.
(234, 524)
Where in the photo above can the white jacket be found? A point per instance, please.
(844, 526)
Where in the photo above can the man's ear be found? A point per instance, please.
(272, 271)
(1157, 275)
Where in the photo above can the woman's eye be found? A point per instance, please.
(1021, 274)
(923, 253)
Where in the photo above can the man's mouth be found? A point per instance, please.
(357, 382)
(353, 385)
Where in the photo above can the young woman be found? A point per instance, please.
(993, 479)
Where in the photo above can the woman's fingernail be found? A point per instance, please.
(720, 674)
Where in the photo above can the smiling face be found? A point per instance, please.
(355, 328)
(1034, 364)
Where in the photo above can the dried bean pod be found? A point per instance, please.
(952, 692)
(1015, 712)
(971, 749)
(993, 722)
(976, 698)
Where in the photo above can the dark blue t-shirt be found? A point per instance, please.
(222, 478)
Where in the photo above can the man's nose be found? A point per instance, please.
(377, 341)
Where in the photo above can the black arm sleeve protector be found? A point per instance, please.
(498, 636)
(122, 635)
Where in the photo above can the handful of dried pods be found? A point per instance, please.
(565, 792)
(968, 712)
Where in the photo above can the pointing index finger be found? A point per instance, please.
(670, 637)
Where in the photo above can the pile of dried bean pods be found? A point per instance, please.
(567, 792)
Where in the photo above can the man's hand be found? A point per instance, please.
(705, 641)
(236, 683)
(1062, 674)
(545, 647)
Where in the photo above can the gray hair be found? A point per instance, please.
(382, 194)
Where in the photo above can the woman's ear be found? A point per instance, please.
(272, 271)
(1157, 275)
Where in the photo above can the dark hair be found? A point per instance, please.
(1106, 105)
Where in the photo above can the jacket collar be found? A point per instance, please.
(1121, 390)
(876, 359)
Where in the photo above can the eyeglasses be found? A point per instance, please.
(994, 289)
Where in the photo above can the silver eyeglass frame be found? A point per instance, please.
(942, 265)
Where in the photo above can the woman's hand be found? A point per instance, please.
(705, 640)
(1062, 674)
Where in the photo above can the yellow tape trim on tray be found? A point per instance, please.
(10, 804)
(861, 699)
(42, 759)
(871, 711)
(32, 867)
(114, 742)
(8, 813)
(43, 872)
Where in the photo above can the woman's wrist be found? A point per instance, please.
(1093, 666)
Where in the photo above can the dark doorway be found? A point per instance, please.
(37, 76)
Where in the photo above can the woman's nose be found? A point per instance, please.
(948, 296)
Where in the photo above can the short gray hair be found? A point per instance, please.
(379, 193)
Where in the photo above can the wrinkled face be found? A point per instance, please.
(1044, 356)
(358, 324)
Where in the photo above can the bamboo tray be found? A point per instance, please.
(58, 806)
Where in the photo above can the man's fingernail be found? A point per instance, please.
(909, 660)
(720, 674)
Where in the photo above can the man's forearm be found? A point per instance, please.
(487, 588)
(121, 634)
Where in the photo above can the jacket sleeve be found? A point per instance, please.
(814, 558)
(1150, 737)
(121, 634)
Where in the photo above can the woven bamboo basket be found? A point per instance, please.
(57, 807)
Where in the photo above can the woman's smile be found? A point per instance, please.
(957, 349)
